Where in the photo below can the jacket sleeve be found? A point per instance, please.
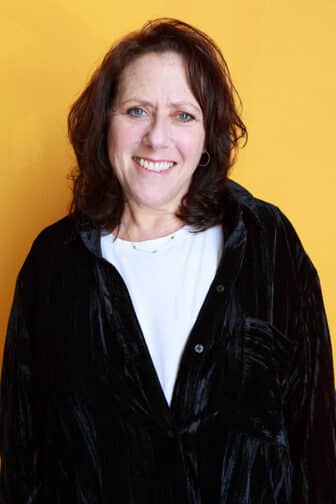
(311, 416)
(18, 482)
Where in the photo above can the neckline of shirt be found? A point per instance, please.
(161, 243)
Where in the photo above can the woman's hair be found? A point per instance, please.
(97, 192)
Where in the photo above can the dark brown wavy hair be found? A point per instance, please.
(97, 192)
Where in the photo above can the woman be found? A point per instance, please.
(168, 341)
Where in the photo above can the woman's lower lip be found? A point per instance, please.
(152, 172)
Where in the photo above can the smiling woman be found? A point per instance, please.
(168, 341)
(167, 85)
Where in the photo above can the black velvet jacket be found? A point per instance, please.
(252, 420)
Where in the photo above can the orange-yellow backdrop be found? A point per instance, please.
(282, 58)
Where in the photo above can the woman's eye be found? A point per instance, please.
(185, 117)
(135, 112)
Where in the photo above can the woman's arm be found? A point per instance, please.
(18, 478)
(311, 416)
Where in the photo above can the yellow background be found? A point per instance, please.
(282, 58)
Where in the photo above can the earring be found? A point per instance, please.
(207, 161)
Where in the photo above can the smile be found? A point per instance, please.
(156, 166)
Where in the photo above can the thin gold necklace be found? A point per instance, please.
(153, 251)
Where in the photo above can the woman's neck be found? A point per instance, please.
(144, 225)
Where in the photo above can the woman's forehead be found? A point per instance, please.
(156, 75)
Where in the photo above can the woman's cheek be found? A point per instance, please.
(191, 143)
(121, 135)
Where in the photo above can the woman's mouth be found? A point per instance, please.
(154, 165)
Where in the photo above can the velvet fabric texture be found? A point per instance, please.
(252, 419)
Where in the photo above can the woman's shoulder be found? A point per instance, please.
(260, 213)
(262, 210)
(269, 226)
(49, 245)
(56, 235)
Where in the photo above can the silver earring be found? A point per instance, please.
(207, 161)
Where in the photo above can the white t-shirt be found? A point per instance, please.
(167, 289)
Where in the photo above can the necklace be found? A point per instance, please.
(149, 251)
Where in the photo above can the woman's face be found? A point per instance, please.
(156, 135)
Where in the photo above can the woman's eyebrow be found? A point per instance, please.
(138, 101)
(182, 104)
(178, 104)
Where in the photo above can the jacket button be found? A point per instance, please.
(220, 288)
(199, 348)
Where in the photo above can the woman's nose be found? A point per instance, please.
(157, 134)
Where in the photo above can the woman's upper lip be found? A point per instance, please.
(152, 160)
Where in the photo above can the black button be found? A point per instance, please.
(199, 348)
(220, 288)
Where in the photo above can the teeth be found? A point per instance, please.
(152, 166)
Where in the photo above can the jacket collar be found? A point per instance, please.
(234, 229)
